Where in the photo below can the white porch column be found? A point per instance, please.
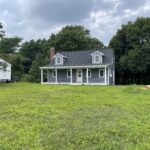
(108, 74)
(105, 75)
(71, 75)
(41, 75)
(55, 75)
(87, 78)
(47, 75)
(113, 77)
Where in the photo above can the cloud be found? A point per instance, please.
(38, 19)
(60, 11)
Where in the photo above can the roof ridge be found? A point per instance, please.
(85, 50)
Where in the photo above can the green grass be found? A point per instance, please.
(61, 117)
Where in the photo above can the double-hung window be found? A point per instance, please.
(97, 59)
(68, 73)
(89, 73)
(53, 73)
(58, 61)
(101, 72)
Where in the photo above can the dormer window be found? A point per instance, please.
(97, 57)
(59, 59)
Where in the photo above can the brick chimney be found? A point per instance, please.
(52, 53)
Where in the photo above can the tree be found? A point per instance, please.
(17, 61)
(2, 33)
(34, 72)
(131, 46)
(9, 45)
(75, 38)
(31, 49)
(36, 53)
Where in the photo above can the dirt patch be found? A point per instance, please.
(147, 87)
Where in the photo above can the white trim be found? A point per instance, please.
(99, 59)
(90, 73)
(67, 73)
(103, 69)
(108, 75)
(47, 74)
(75, 67)
(41, 76)
(58, 54)
(77, 75)
(60, 60)
(105, 75)
(56, 76)
(113, 77)
(97, 52)
(67, 83)
(2, 60)
(99, 55)
(71, 75)
(61, 57)
(87, 78)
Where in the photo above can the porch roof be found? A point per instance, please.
(74, 67)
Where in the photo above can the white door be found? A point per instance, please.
(79, 75)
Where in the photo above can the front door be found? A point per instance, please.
(79, 75)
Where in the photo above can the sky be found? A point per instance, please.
(34, 19)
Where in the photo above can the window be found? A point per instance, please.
(97, 59)
(68, 73)
(89, 73)
(101, 72)
(53, 73)
(58, 61)
(110, 73)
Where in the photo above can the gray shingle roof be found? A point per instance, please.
(83, 58)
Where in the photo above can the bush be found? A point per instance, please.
(26, 78)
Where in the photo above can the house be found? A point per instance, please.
(89, 67)
(5, 71)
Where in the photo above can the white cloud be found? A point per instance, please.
(33, 19)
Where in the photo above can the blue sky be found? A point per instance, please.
(34, 19)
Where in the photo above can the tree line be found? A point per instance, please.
(131, 45)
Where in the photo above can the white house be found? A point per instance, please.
(5, 71)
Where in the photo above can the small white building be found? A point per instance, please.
(5, 71)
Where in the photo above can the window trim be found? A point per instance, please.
(67, 74)
(99, 59)
(110, 73)
(53, 74)
(97, 56)
(90, 73)
(56, 62)
(100, 74)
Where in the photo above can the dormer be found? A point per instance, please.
(59, 59)
(97, 57)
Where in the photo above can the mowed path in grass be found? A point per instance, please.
(61, 117)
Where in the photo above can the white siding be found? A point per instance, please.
(5, 74)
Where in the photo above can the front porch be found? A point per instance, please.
(75, 76)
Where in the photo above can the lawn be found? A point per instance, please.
(61, 117)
